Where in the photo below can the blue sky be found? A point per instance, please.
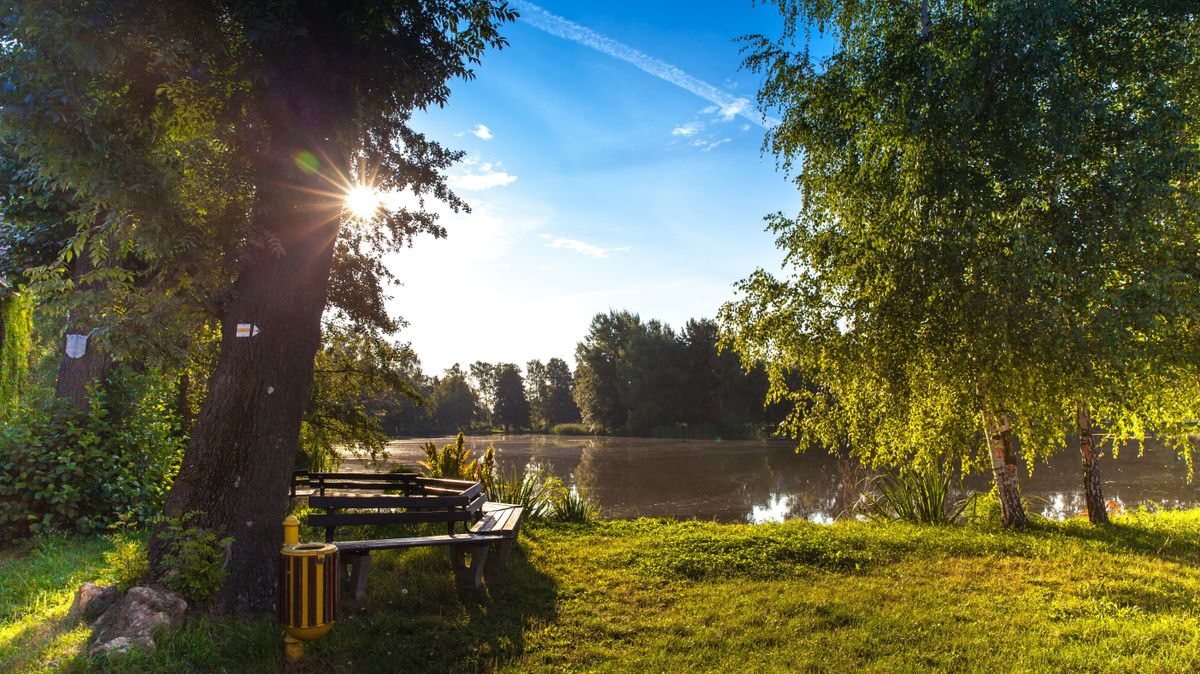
(595, 184)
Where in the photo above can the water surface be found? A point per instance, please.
(765, 481)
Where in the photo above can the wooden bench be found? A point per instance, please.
(420, 500)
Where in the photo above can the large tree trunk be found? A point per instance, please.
(1092, 489)
(243, 447)
(1003, 452)
(92, 368)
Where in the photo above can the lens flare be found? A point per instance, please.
(362, 202)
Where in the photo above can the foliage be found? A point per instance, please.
(998, 213)
(194, 560)
(16, 325)
(917, 494)
(571, 429)
(65, 468)
(128, 560)
(512, 408)
(454, 460)
(352, 366)
(548, 388)
(453, 403)
(635, 376)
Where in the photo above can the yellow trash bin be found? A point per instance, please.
(308, 586)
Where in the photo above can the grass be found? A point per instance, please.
(656, 595)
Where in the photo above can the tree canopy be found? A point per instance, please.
(998, 215)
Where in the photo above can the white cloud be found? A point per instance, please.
(729, 106)
(582, 247)
(480, 175)
(482, 132)
(473, 182)
(689, 129)
(707, 145)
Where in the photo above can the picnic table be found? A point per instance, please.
(378, 499)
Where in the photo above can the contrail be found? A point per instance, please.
(729, 106)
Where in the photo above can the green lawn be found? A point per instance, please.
(651, 596)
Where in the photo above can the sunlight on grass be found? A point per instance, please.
(660, 595)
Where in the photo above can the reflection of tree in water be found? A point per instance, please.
(739, 481)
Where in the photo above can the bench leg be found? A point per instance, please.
(469, 575)
(503, 548)
(355, 567)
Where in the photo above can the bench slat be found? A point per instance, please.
(501, 522)
(387, 501)
(376, 519)
(413, 542)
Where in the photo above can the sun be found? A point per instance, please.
(363, 202)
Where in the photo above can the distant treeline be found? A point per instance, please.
(633, 377)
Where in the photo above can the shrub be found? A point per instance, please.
(454, 460)
(66, 468)
(194, 561)
(128, 560)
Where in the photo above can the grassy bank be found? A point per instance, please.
(656, 596)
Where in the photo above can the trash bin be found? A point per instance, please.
(308, 585)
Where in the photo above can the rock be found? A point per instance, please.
(131, 623)
(91, 601)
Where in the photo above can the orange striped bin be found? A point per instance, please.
(308, 589)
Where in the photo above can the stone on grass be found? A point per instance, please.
(91, 601)
(131, 623)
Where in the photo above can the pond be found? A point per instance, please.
(766, 481)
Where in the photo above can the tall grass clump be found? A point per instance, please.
(533, 489)
(572, 505)
(571, 429)
(916, 494)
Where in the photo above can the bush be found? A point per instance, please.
(455, 461)
(194, 561)
(70, 469)
(128, 560)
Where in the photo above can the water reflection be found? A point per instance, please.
(747, 481)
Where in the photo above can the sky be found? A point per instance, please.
(613, 161)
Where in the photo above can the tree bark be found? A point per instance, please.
(1003, 453)
(75, 375)
(1092, 488)
(238, 463)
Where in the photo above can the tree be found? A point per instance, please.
(351, 368)
(548, 389)
(997, 219)
(217, 141)
(453, 403)
(599, 392)
(512, 408)
(486, 377)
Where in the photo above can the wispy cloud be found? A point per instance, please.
(689, 129)
(582, 247)
(708, 145)
(484, 177)
(481, 181)
(729, 106)
(482, 132)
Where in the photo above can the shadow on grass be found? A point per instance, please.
(1166, 543)
(415, 619)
